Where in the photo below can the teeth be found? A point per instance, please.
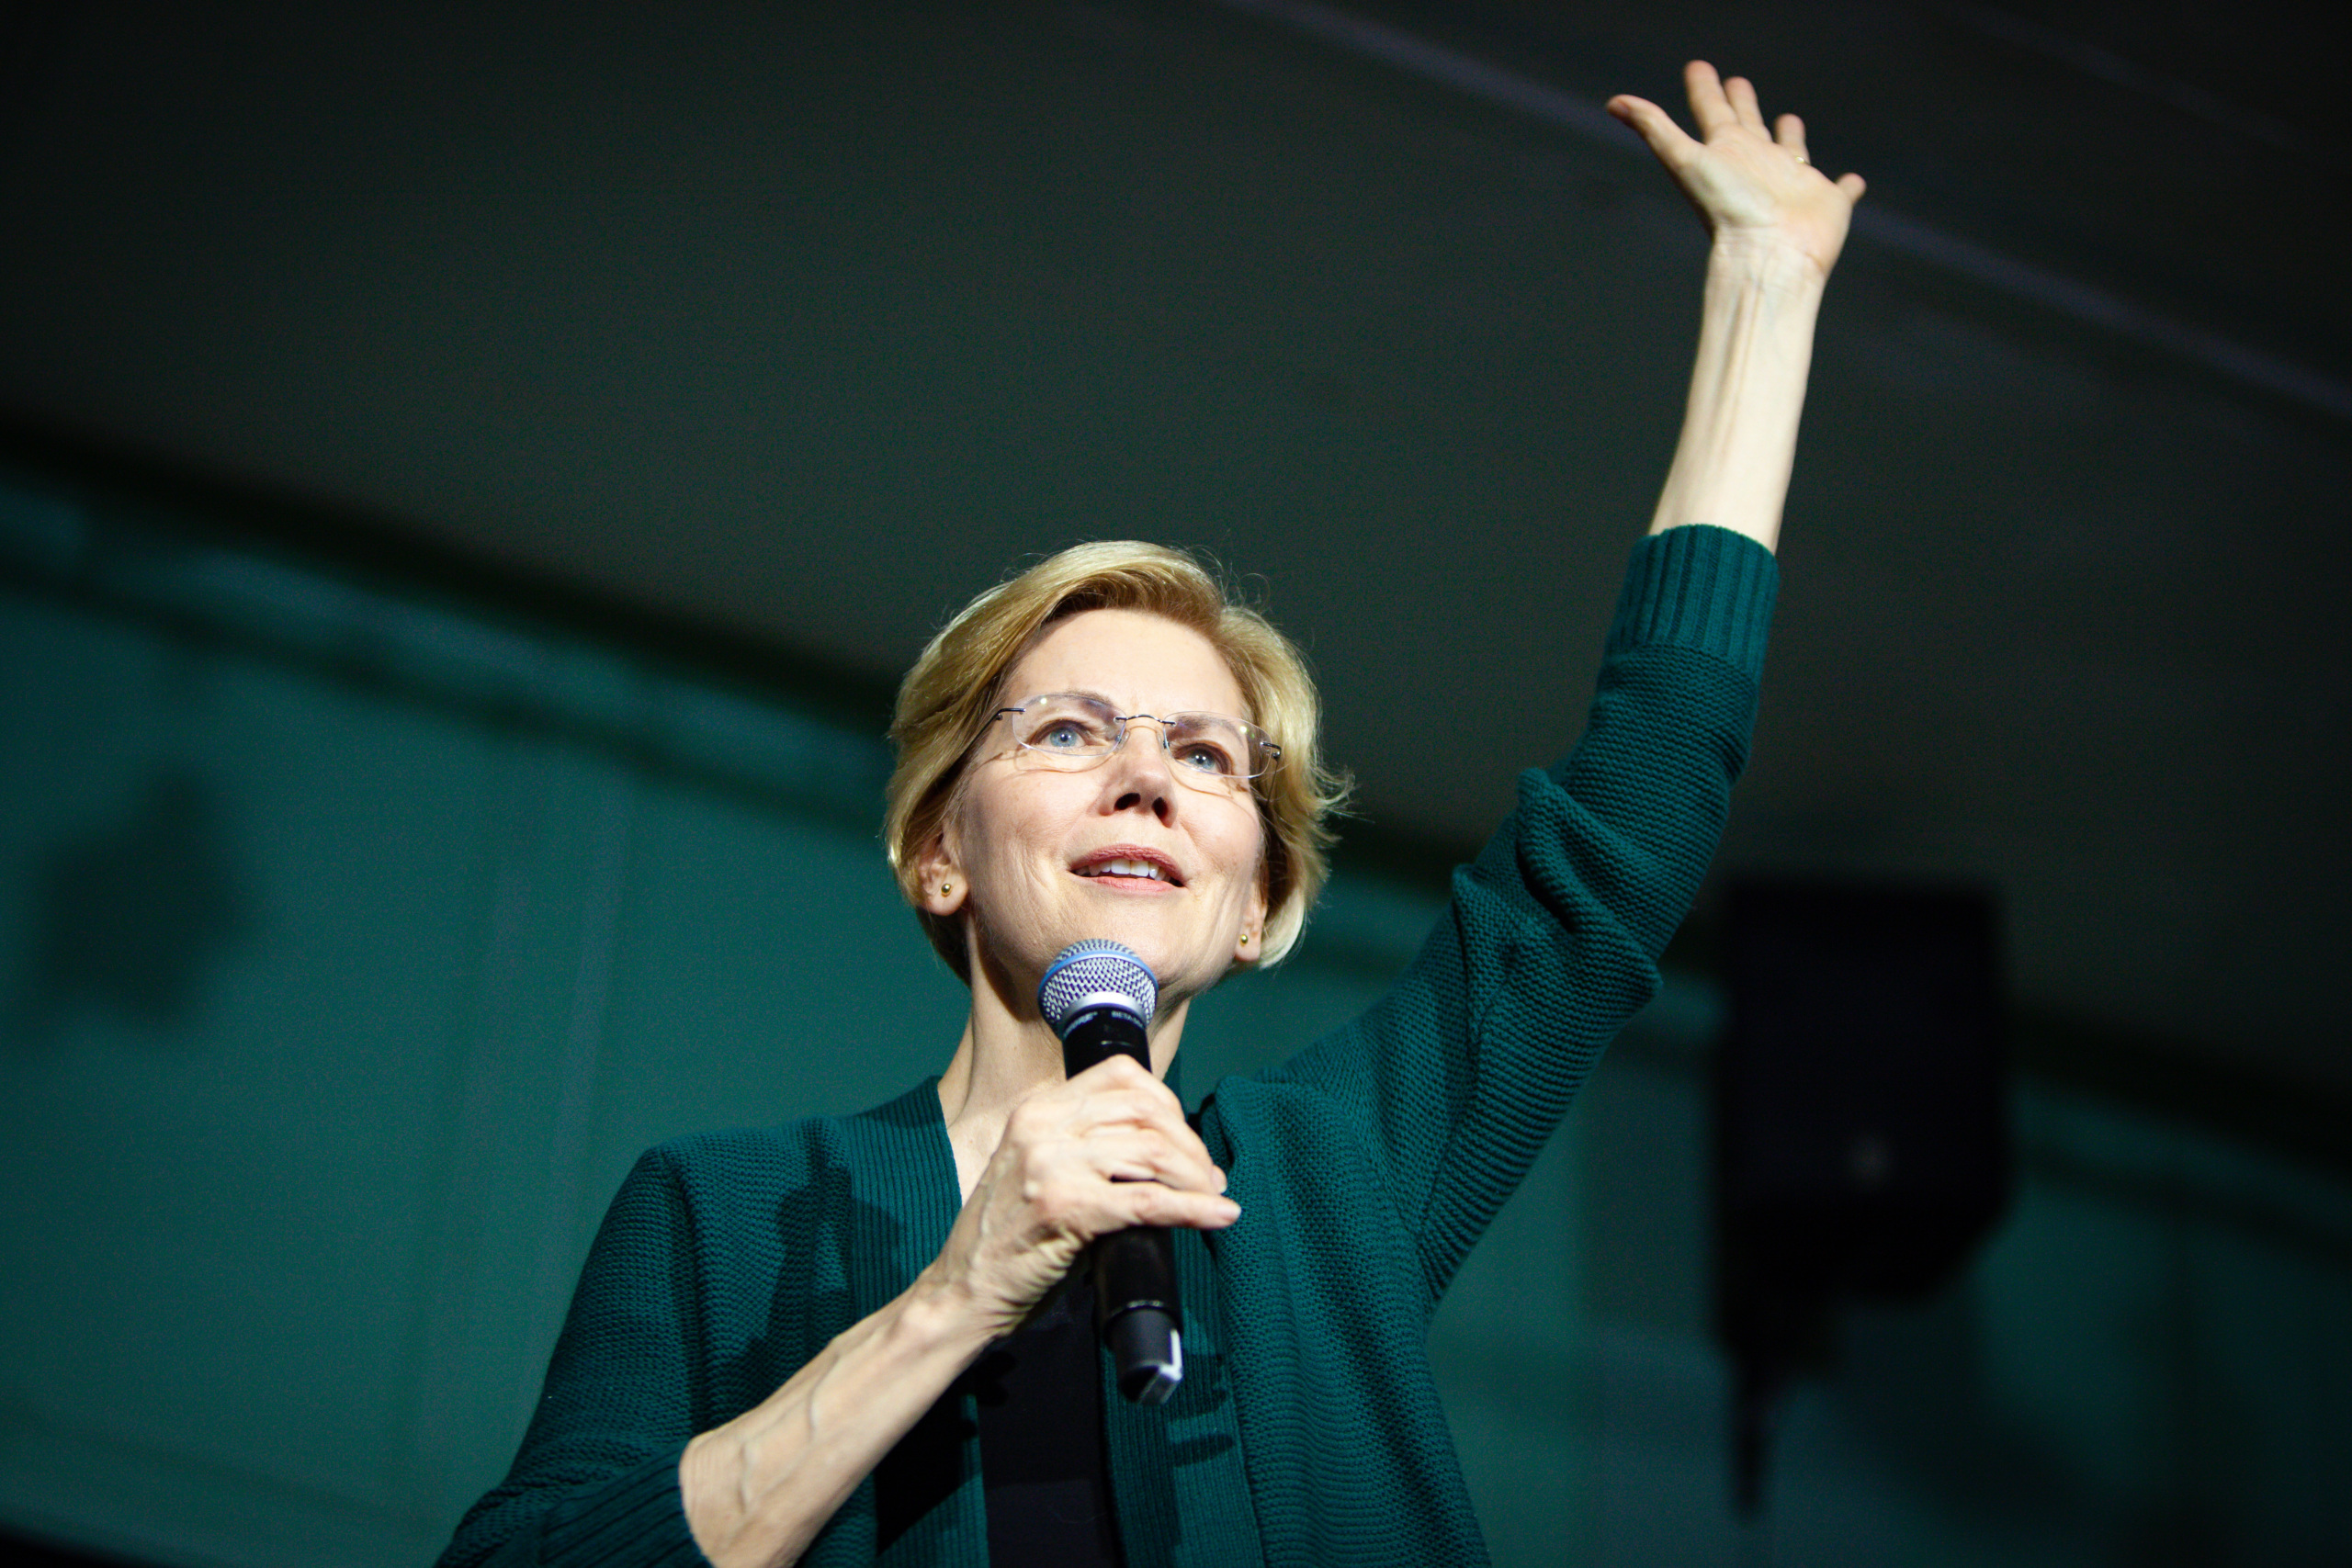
(1125, 868)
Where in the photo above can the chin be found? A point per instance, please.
(1175, 963)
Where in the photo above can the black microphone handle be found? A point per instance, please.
(1135, 1308)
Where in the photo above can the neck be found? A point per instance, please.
(1006, 1055)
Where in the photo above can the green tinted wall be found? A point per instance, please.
(353, 940)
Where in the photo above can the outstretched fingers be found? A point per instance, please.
(1719, 106)
(1789, 132)
(1711, 105)
(1748, 176)
(1741, 94)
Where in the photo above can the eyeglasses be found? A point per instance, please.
(1073, 732)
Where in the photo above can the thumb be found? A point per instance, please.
(1655, 126)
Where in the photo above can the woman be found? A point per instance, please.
(844, 1339)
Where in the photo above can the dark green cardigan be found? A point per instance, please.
(1307, 1428)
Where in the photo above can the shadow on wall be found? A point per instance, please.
(126, 921)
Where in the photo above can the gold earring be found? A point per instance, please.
(1245, 939)
(945, 888)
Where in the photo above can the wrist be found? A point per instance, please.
(937, 1315)
(712, 1491)
(1744, 260)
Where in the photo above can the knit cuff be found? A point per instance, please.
(637, 1519)
(1698, 587)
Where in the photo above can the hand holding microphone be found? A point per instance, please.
(1105, 1151)
(1098, 996)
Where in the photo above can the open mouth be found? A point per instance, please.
(1129, 868)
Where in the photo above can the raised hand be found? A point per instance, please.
(1755, 186)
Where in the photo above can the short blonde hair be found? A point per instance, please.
(946, 701)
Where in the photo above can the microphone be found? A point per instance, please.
(1098, 996)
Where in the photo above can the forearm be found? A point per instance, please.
(1739, 428)
(757, 1490)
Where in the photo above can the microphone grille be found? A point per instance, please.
(1087, 970)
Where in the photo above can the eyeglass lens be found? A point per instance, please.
(1071, 730)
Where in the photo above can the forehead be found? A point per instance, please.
(1137, 661)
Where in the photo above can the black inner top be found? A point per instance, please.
(1044, 1460)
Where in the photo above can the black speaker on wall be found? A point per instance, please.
(1861, 1129)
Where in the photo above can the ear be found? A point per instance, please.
(944, 887)
(1252, 942)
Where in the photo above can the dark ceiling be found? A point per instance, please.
(804, 322)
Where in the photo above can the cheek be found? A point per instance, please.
(1248, 859)
(1014, 835)
(1263, 876)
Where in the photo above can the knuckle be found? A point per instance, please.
(1052, 1203)
(1030, 1121)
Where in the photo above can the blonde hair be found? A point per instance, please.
(946, 701)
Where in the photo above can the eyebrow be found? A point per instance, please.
(1098, 697)
(1139, 713)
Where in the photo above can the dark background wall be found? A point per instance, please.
(749, 341)
(799, 322)
(358, 934)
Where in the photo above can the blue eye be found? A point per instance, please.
(1064, 727)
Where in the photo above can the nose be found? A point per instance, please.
(1140, 776)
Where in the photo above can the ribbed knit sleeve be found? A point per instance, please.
(1705, 589)
(595, 1485)
(1367, 1166)
(727, 1261)
(1455, 1080)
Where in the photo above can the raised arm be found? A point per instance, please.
(1450, 1086)
(1777, 225)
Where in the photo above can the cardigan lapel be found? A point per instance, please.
(1176, 1470)
(903, 1196)
(1177, 1477)
(928, 1502)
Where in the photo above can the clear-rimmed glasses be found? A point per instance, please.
(1073, 731)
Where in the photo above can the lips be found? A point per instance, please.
(1129, 863)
